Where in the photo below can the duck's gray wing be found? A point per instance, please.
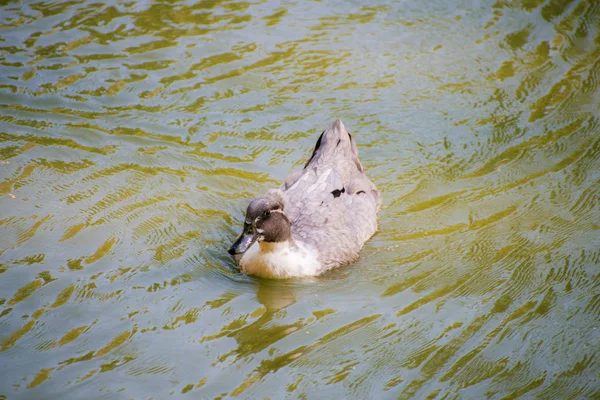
(334, 217)
(336, 148)
(290, 180)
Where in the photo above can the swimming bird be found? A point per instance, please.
(318, 219)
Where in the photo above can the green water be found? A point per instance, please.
(133, 135)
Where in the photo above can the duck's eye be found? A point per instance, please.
(267, 214)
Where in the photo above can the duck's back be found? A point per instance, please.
(332, 204)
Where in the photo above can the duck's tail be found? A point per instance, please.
(335, 142)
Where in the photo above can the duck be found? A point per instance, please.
(318, 219)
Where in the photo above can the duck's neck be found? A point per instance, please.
(268, 247)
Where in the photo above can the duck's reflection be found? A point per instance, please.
(275, 295)
(265, 331)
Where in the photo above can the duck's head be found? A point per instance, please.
(265, 221)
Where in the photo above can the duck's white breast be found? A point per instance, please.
(280, 260)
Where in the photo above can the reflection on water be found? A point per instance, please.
(133, 134)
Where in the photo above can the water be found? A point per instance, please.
(133, 135)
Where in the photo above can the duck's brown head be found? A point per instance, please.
(265, 221)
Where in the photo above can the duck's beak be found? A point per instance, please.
(244, 241)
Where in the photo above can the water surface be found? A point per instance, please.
(133, 134)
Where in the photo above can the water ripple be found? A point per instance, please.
(133, 135)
